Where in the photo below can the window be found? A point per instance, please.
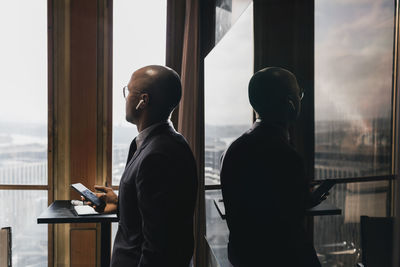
(134, 46)
(353, 118)
(228, 114)
(23, 128)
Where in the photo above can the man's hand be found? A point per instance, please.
(108, 196)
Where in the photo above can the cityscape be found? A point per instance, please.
(23, 160)
(343, 149)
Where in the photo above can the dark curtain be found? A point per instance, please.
(176, 10)
(187, 43)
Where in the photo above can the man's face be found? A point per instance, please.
(132, 100)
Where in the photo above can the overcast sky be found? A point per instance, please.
(139, 40)
(353, 59)
(23, 61)
(228, 69)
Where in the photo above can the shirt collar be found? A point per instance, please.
(144, 133)
(274, 127)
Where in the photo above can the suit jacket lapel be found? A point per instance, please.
(158, 130)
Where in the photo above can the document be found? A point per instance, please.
(84, 210)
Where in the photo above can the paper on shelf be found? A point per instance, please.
(85, 210)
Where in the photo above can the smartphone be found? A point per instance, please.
(89, 195)
(322, 190)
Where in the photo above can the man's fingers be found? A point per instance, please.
(102, 196)
(101, 188)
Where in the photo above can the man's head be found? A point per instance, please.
(154, 92)
(275, 95)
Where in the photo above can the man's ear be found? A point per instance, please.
(146, 98)
(292, 112)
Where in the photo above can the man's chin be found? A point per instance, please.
(130, 119)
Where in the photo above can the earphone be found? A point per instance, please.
(138, 105)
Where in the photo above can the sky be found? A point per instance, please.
(23, 61)
(139, 40)
(353, 59)
(228, 69)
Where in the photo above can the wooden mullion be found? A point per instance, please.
(23, 187)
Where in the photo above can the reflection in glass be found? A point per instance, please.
(227, 12)
(19, 209)
(139, 32)
(353, 88)
(217, 229)
(337, 238)
(228, 114)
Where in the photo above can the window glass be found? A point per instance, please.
(353, 107)
(19, 210)
(23, 92)
(227, 12)
(23, 126)
(228, 114)
(217, 229)
(337, 238)
(139, 32)
(353, 87)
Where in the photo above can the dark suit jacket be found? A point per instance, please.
(265, 194)
(156, 203)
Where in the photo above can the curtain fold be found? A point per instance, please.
(176, 10)
(184, 56)
(191, 116)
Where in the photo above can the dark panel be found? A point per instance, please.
(284, 37)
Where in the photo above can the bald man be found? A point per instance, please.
(157, 192)
(264, 187)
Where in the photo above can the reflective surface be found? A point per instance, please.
(139, 32)
(353, 87)
(19, 210)
(337, 238)
(228, 114)
(353, 97)
(227, 12)
(217, 229)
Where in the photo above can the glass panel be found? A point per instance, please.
(29, 239)
(139, 32)
(337, 238)
(353, 87)
(228, 114)
(217, 230)
(227, 12)
(23, 92)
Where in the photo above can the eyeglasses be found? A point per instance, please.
(125, 91)
(301, 95)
